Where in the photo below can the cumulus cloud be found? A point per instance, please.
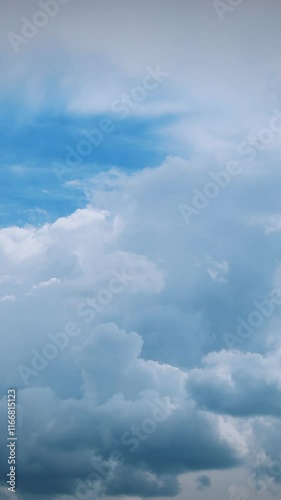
(117, 371)
(146, 390)
(240, 384)
(129, 405)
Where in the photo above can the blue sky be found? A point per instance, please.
(134, 144)
(140, 266)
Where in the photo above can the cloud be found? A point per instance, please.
(109, 251)
(49, 282)
(218, 271)
(115, 413)
(8, 298)
(238, 384)
(146, 344)
(203, 482)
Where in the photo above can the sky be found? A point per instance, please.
(140, 236)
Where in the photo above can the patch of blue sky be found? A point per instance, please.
(30, 192)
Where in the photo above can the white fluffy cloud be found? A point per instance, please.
(146, 342)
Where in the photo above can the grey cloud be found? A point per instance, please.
(203, 482)
(61, 436)
(238, 384)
